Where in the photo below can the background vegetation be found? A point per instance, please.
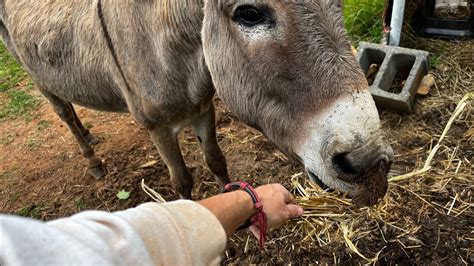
(363, 19)
(15, 99)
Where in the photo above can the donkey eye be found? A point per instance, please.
(249, 16)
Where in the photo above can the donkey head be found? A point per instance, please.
(286, 68)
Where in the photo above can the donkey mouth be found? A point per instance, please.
(365, 194)
(318, 181)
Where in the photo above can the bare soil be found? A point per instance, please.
(43, 175)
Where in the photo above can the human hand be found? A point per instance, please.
(276, 201)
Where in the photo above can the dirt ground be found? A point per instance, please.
(42, 175)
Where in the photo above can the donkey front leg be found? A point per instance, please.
(67, 114)
(205, 129)
(167, 143)
(91, 139)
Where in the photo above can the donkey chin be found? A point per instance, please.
(344, 148)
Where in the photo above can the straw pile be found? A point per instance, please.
(329, 216)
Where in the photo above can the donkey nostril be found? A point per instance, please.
(343, 163)
(384, 159)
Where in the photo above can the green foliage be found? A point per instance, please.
(43, 125)
(8, 175)
(17, 102)
(5, 140)
(31, 144)
(32, 211)
(20, 104)
(123, 195)
(87, 124)
(363, 19)
(11, 72)
(79, 202)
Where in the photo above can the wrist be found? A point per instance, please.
(257, 217)
(246, 204)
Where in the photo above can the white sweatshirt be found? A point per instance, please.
(175, 233)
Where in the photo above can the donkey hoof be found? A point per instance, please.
(91, 139)
(98, 171)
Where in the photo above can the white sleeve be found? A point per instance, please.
(176, 233)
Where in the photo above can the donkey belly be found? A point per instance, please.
(93, 90)
(73, 80)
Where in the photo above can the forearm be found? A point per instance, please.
(231, 209)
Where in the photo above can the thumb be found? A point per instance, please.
(294, 211)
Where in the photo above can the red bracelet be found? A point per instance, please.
(259, 219)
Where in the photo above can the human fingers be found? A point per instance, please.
(287, 196)
(294, 211)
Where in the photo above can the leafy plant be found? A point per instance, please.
(79, 202)
(123, 195)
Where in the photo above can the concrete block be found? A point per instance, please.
(400, 73)
(453, 9)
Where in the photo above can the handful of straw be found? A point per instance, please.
(328, 216)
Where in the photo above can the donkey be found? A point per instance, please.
(282, 67)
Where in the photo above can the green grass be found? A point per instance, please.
(31, 143)
(43, 125)
(363, 20)
(17, 103)
(87, 124)
(5, 140)
(32, 211)
(11, 72)
(8, 175)
(80, 205)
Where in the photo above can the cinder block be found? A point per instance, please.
(399, 76)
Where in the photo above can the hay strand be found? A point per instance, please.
(347, 232)
(427, 166)
(326, 216)
(153, 194)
